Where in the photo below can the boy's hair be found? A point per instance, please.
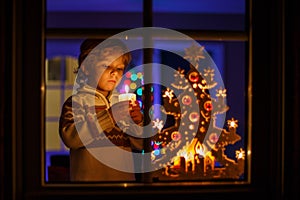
(93, 50)
(89, 47)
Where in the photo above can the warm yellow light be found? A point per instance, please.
(248, 152)
(240, 154)
(232, 123)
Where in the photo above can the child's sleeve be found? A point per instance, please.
(68, 130)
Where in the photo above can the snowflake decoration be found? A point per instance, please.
(232, 123)
(208, 72)
(181, 82)
(179, 74)
(158, 124)
(194, 53)
(240, 154)
(221, 93)
(169, 94)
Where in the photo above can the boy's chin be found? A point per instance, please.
(109, 89)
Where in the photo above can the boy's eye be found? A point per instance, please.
(107, 67)
(103, 66)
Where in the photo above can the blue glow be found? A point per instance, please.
(156, 152)
(95, 5)
(200, 6)
(177, 6)
(139, 91)
(134, 77)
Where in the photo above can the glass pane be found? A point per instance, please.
(218, 152)
(200, 14)
(94, 14)
(205, 15)
(205, 140)
(61, 61)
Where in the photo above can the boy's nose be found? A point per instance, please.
(113, 70)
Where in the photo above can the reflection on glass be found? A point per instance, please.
(173, 14)
(226, 159)
(94, 14)
(225, 103)
(200, 14)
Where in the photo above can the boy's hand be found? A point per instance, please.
(135, 112)
(120, 111)
(127, 111)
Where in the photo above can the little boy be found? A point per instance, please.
(99, 149)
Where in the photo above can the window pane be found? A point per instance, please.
(200, 14)
(204, 140)
(199, 160)
(61, 60)
(94, 14)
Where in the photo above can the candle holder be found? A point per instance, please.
(127, 96)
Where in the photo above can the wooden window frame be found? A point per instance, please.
(267, 122)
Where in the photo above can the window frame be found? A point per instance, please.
(27, 138)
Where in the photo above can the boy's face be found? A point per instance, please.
(107, 73)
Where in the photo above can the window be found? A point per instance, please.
(220, 27)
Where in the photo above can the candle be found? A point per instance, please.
(127, 96)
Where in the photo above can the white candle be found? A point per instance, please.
(127, 96)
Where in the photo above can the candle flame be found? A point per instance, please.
(126, 88)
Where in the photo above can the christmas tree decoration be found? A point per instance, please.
(202, 157)
(188, 144)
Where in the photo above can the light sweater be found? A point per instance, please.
(99, 149)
